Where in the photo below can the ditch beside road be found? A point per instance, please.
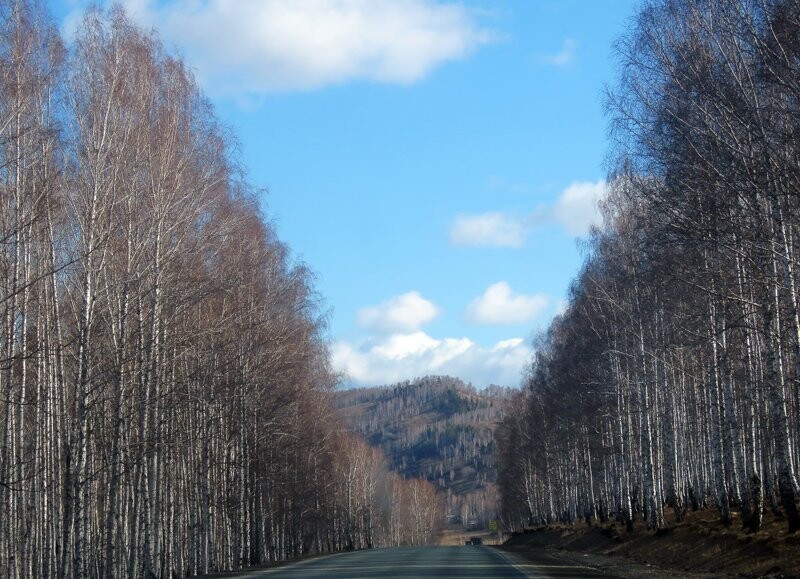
(699, 546)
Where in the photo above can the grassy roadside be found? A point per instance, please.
(698, 546)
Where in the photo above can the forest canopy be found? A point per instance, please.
(672, 380)
(165, 386)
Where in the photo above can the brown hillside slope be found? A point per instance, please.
(437, 428)
(700, 545)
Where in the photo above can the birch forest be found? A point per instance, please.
(437, 428)
(672, 379)
(165, 389)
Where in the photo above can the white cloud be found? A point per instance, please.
(565, 56)
(404, 313)
(500, 306)
(251, 47)
(577, 210)
(406, 356)
(488, 230)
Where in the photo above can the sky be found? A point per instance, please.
(435, 162)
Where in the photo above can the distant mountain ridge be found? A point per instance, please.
(437, 428)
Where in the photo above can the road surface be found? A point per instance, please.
(420, 562)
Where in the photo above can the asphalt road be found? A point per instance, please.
(420, 562)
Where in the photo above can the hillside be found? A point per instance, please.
(438, 428)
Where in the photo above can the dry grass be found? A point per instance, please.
(699, 544)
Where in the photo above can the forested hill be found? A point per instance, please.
(438, 428)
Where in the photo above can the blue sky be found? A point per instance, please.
(434, 162)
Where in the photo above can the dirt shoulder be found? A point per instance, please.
(699, 546)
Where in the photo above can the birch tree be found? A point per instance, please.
(688, 295)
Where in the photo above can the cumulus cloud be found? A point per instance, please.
(404, 313)
(565, 56)
(251, 47)
(500, 306)
(488, 230)
(406, 356)
(577, 208)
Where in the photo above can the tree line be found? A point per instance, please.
(438, 428)
(672, 380)
(165, 388)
